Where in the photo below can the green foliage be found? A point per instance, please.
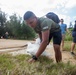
(1, 31)
(27, 32)
(18, 65)
(2, 23)
(18, 29)
(2, 18)
(15, 27)
(68, 37)
(67, 45)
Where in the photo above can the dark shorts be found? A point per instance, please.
(74, 36)
(57, 37)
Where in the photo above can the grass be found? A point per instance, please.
(18, 65)
(67, 46)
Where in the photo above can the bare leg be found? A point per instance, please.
(72, 46)
(58, 55)
(62, 44)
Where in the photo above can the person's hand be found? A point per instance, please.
(31, 60)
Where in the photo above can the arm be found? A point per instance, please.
(45, 38)
(67, 30)
(44, 35)
(40, 36)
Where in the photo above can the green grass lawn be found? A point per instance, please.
(18, 65)
(67, 46)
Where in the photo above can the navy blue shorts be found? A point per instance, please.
(57, 37)
(74, 36)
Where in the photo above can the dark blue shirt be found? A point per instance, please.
(74, 29)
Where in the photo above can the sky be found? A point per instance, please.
(65, 9)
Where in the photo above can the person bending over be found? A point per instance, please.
(47, 29)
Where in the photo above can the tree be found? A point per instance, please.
(2, 18)
(15, 25)
(70, 26)
(27, 32)
(2, 23)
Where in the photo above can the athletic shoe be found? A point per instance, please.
(72, 53)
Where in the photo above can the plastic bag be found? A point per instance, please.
(33, 48)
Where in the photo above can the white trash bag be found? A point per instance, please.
(33, 48)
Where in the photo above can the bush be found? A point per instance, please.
(68, 36)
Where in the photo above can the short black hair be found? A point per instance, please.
(28, 15)
(61, 19)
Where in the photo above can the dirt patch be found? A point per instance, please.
(6, 43)
(66, 56)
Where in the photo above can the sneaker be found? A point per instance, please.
(72, 53)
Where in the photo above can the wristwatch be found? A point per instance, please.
(34, 57)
